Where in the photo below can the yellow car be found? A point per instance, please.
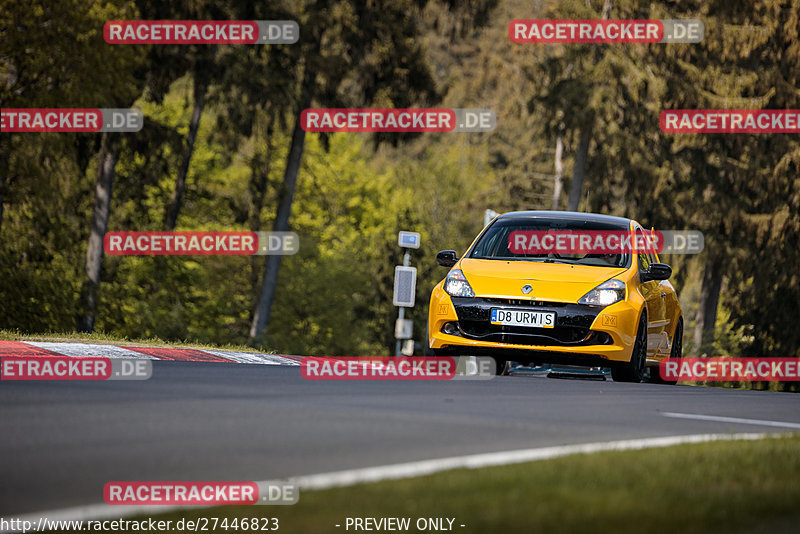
(614, 310)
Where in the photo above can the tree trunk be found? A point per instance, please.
(175, 202)
(2, 197)
(94, 252)
(582, 154)
(706, 316)
(578, 174)
(606, 9)
(558, 184)
(4, 170)
(258, 189)
(272, 264)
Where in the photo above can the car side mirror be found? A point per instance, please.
(446, 258)
(657, 271)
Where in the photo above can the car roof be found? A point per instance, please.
(621, 222)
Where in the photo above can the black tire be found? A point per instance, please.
(676, 352)
(503, 367)
(634, 370)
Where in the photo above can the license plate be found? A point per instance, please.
(535, 319)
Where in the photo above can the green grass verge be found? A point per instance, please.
(111, 339)
(718, 487)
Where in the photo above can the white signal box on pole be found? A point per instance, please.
(405, 290)
(408, 239)
(405, 286)
(488, 215)
(403, 329)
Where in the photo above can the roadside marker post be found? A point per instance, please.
(405, 288)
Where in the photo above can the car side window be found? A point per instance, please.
(488, 247)
(644, 262)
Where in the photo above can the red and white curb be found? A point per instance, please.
(36, 349)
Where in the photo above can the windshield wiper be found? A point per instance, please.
(537, 260)
(554, 260)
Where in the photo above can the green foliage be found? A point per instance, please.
(331, 294)
(46, 179)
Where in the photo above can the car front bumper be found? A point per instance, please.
(583, 335)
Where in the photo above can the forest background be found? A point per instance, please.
(577, 128)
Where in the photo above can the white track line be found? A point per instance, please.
(113, 351)
(253, 357)
(90, 349)
(721, 419)
(476, 461)
(398, 471)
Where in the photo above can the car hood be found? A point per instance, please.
(555, 282)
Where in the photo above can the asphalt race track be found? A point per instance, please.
(63, 440)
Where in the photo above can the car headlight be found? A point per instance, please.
(456, 284)
(607, 293)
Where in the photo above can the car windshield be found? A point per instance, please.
(536, 240)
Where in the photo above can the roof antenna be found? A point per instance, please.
(587, 202)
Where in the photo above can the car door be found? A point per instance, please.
(670, 298)
(656, 310)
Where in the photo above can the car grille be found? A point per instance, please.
(572, 328)
(559, 336)
(524, 303)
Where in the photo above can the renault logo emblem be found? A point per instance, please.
(527, 289)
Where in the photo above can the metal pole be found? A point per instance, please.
(401, 313)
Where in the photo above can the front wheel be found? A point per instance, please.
(634, 370)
